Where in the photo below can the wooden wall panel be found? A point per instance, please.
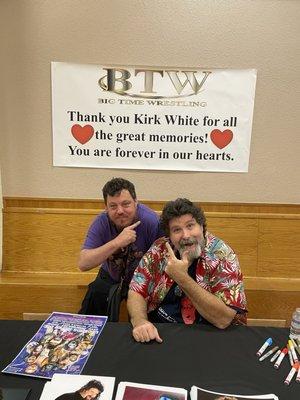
(43, 241)
(16, 299)
(278, 247)
(272, 304)
(42, 203)
(241, 235)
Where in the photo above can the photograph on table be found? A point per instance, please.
(138, 391)
(198, 393)
(77, 387)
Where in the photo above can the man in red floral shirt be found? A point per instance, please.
(190, 277)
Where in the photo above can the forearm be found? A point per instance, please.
(143, 330)
(207, 304)
(137, 308)
(91, 258)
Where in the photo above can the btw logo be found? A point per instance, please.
(154, 83)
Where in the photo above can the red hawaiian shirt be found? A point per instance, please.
(217, 271)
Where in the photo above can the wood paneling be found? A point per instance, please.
(273, 305)
(42, 239)
(278, 246)
(241, 235)
(157, 205)
(279, 323)
(15, 299)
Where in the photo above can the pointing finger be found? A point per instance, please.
(185, 256)
(158, 338)
(133, 226)
(170, 250)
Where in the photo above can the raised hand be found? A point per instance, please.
(176, 267)
(128, 235)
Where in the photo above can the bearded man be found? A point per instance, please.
(189, 277)
(116, 240)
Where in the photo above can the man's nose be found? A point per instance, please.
(120, 210)
(185, 234)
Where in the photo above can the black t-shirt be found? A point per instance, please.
(70, 396)
(169, 309)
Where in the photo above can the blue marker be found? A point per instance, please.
(267, 343)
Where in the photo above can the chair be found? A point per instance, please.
(279, 323)
(35, 316)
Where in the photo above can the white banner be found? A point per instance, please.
(152, 118)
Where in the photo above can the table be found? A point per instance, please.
(218, 360)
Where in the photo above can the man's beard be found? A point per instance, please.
(193, 253)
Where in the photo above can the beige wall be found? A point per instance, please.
(261, 34)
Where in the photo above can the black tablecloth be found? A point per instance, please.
(189, 355)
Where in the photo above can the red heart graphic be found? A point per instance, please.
(221, 139)
(82, 133)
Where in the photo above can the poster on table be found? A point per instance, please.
(62, 345)
(152, 118)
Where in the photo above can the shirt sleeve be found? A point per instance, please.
(227, 280)
(142, 276)
(145, 276)
(98, 233)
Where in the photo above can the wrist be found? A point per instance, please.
(117, 243)
(181, 277)
(137, 321)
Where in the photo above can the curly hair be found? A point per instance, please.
(115, 186)
(178, 208)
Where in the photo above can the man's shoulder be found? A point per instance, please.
(216, 247)
(101, 218)
(159, 248)
(146, 214)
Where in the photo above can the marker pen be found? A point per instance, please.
(290, 355)
(269, 353)
(298, 375)
(291, 344)
(293, 341)
(267, 343)
(297, 347)
(291, 373)
(281, 357)
(275, 355)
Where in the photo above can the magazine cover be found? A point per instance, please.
(14, 394)
(61, 345)
(203, 394)
(64, 387)
(138, 391)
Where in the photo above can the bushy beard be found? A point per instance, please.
(192, 254)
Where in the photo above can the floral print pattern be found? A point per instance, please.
(217, 271)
